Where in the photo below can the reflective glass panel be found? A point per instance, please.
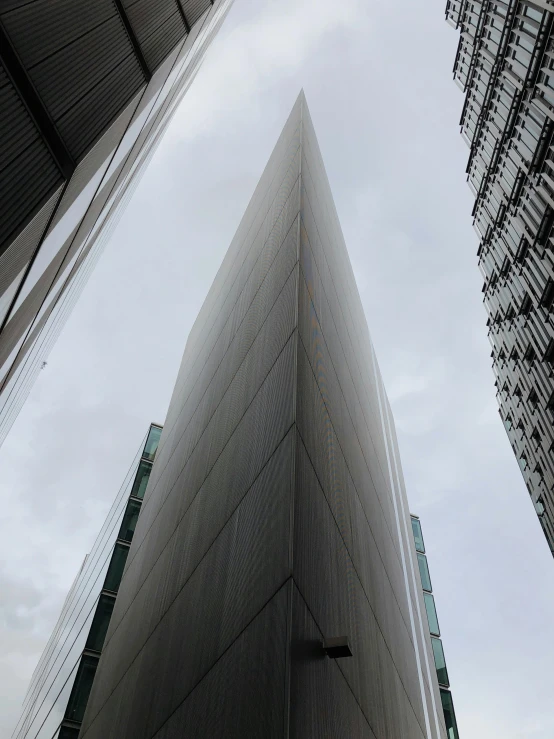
(100, 623)
(424, 572)
(431, 614)
(81, 688)
(115, 570)
(152, 442)
(418, 536)
(129, 522)
(449, 715)
(141, 480)
(440, 663)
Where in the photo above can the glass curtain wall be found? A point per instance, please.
(58, 693)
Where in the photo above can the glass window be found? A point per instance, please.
(424, 572)
(431, 614)
(449, 715)
(115, 570)
(129, 522)
(141, 480)
(100, 623)
(440, 663)
(418, 536)
(81, 688)
(68, 732)
(152, 442)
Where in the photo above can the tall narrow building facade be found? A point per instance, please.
(504, 65)
(275, 518)
(87, 90)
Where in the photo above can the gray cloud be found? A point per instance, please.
(379, 86)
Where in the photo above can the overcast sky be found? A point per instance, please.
(377, 76)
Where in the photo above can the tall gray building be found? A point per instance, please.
(275, 519)
(87, 90)
(504, 65)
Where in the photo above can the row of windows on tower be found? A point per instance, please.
(86, 669)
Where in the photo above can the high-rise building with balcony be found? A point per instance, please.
(272, 586)
(58, 693)
(505, 66)
(87, 90)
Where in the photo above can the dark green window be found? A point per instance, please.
(129, 522)
(151, 445)
(418, 536)
(431, 614)
(141, 480)
(440, 664)
(449, 715)
(115, 570)
(424, 572)
(81, 688)
(68, 732)
(100, 623)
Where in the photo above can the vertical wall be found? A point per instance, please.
(275, 515)
(351, 560)
(198, 640)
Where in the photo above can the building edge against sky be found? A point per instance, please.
(58, 692)
(505, 66)
(276, 513)
(86, 93)
(434, 630)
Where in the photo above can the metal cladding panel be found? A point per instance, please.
(356, 510)
(20, 251)
(84, 83)
(28, 173)
(244, 694)
(330, 584)
(323, 704)
(158, 26)
(194, 9)
(41, 28)
(245, 566)
(246, 379)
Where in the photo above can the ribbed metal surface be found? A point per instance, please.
(85, 73)
(194, 9)
(41, 28)
(243, 695)
(20, 251)
(158, 26)
(323, 704)
(28, 172)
